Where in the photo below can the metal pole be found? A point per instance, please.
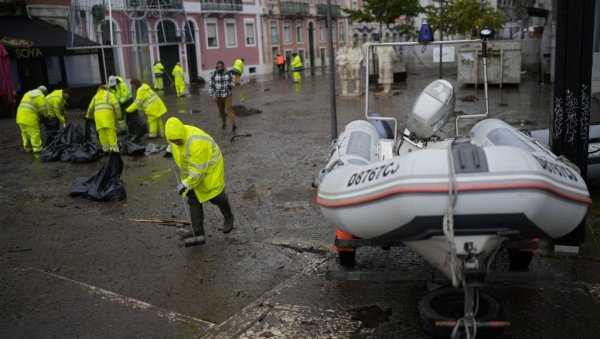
(572, 87)
(441, 33)
(332, 75)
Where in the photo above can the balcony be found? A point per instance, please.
(336, 10)
(221, 6)
(294, 8)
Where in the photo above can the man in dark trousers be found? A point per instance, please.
(202, 173)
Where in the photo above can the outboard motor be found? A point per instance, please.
(432, 109)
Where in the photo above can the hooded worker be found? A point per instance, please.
(152, 105)
(55, 102)
(32, 107)
(179, 80)
(159, 71)
(120, 89)
(106, 112)
(202, 173)
(237, 70)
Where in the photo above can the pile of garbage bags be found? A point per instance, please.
(76, 145)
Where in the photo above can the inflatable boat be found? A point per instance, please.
(458, 197)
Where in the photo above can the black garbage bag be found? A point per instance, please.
(128, 145)
(68, 139)
(136, 126)
(71, 145)
(106, 185)
(52, 127)
(87, 152)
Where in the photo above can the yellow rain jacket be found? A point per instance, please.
(147, 101)
(104, 109)
(121, 90)
(178, 75)
(159, 68)
(199, 158)
(296, 64)
(31, 108)
(238, 66)
(56, 104)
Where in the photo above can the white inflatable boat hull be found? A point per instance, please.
(506, 185)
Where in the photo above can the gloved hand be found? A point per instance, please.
(181, 189)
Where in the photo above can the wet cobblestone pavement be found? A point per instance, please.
(75, 268)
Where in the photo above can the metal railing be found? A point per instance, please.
(336, 10)
(221, 6)
(294, 8)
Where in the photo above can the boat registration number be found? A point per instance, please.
(373, 174)
(556, 169)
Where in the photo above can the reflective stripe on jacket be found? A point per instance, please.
(147, 101)
(31, 108)
(105, 109)
(56, 104)
(199, 158)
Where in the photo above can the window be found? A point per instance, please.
(230, 34)
(354, 5)
(211, 34)
(342, 31)
(287, 31)
(274, 32)
(82, 69)
(322, 30)
(300, 30)
(250, 39)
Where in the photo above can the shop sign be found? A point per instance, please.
(23, 48)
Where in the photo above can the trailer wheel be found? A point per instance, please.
(347, 258)
(448, 304)
(519, 260)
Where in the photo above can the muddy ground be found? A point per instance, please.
(70, 267)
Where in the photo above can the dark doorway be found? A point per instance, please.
(169, 54)
(191, 51)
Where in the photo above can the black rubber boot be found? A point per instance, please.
(226, 210)
(197, 215)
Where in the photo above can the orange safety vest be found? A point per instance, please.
(279, 60)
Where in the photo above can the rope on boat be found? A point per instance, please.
(449, 219)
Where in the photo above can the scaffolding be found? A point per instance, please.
(127, 32)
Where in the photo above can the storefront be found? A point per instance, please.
(38, 56)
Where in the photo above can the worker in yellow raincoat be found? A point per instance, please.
(32, 107)
(296, 67)
(119, 88)
(159, 71)
(106, 112)
(237, 70)
(154, 108)
(202, 173)
(179, 80)
(55, 102)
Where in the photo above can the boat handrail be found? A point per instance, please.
(370, 45)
